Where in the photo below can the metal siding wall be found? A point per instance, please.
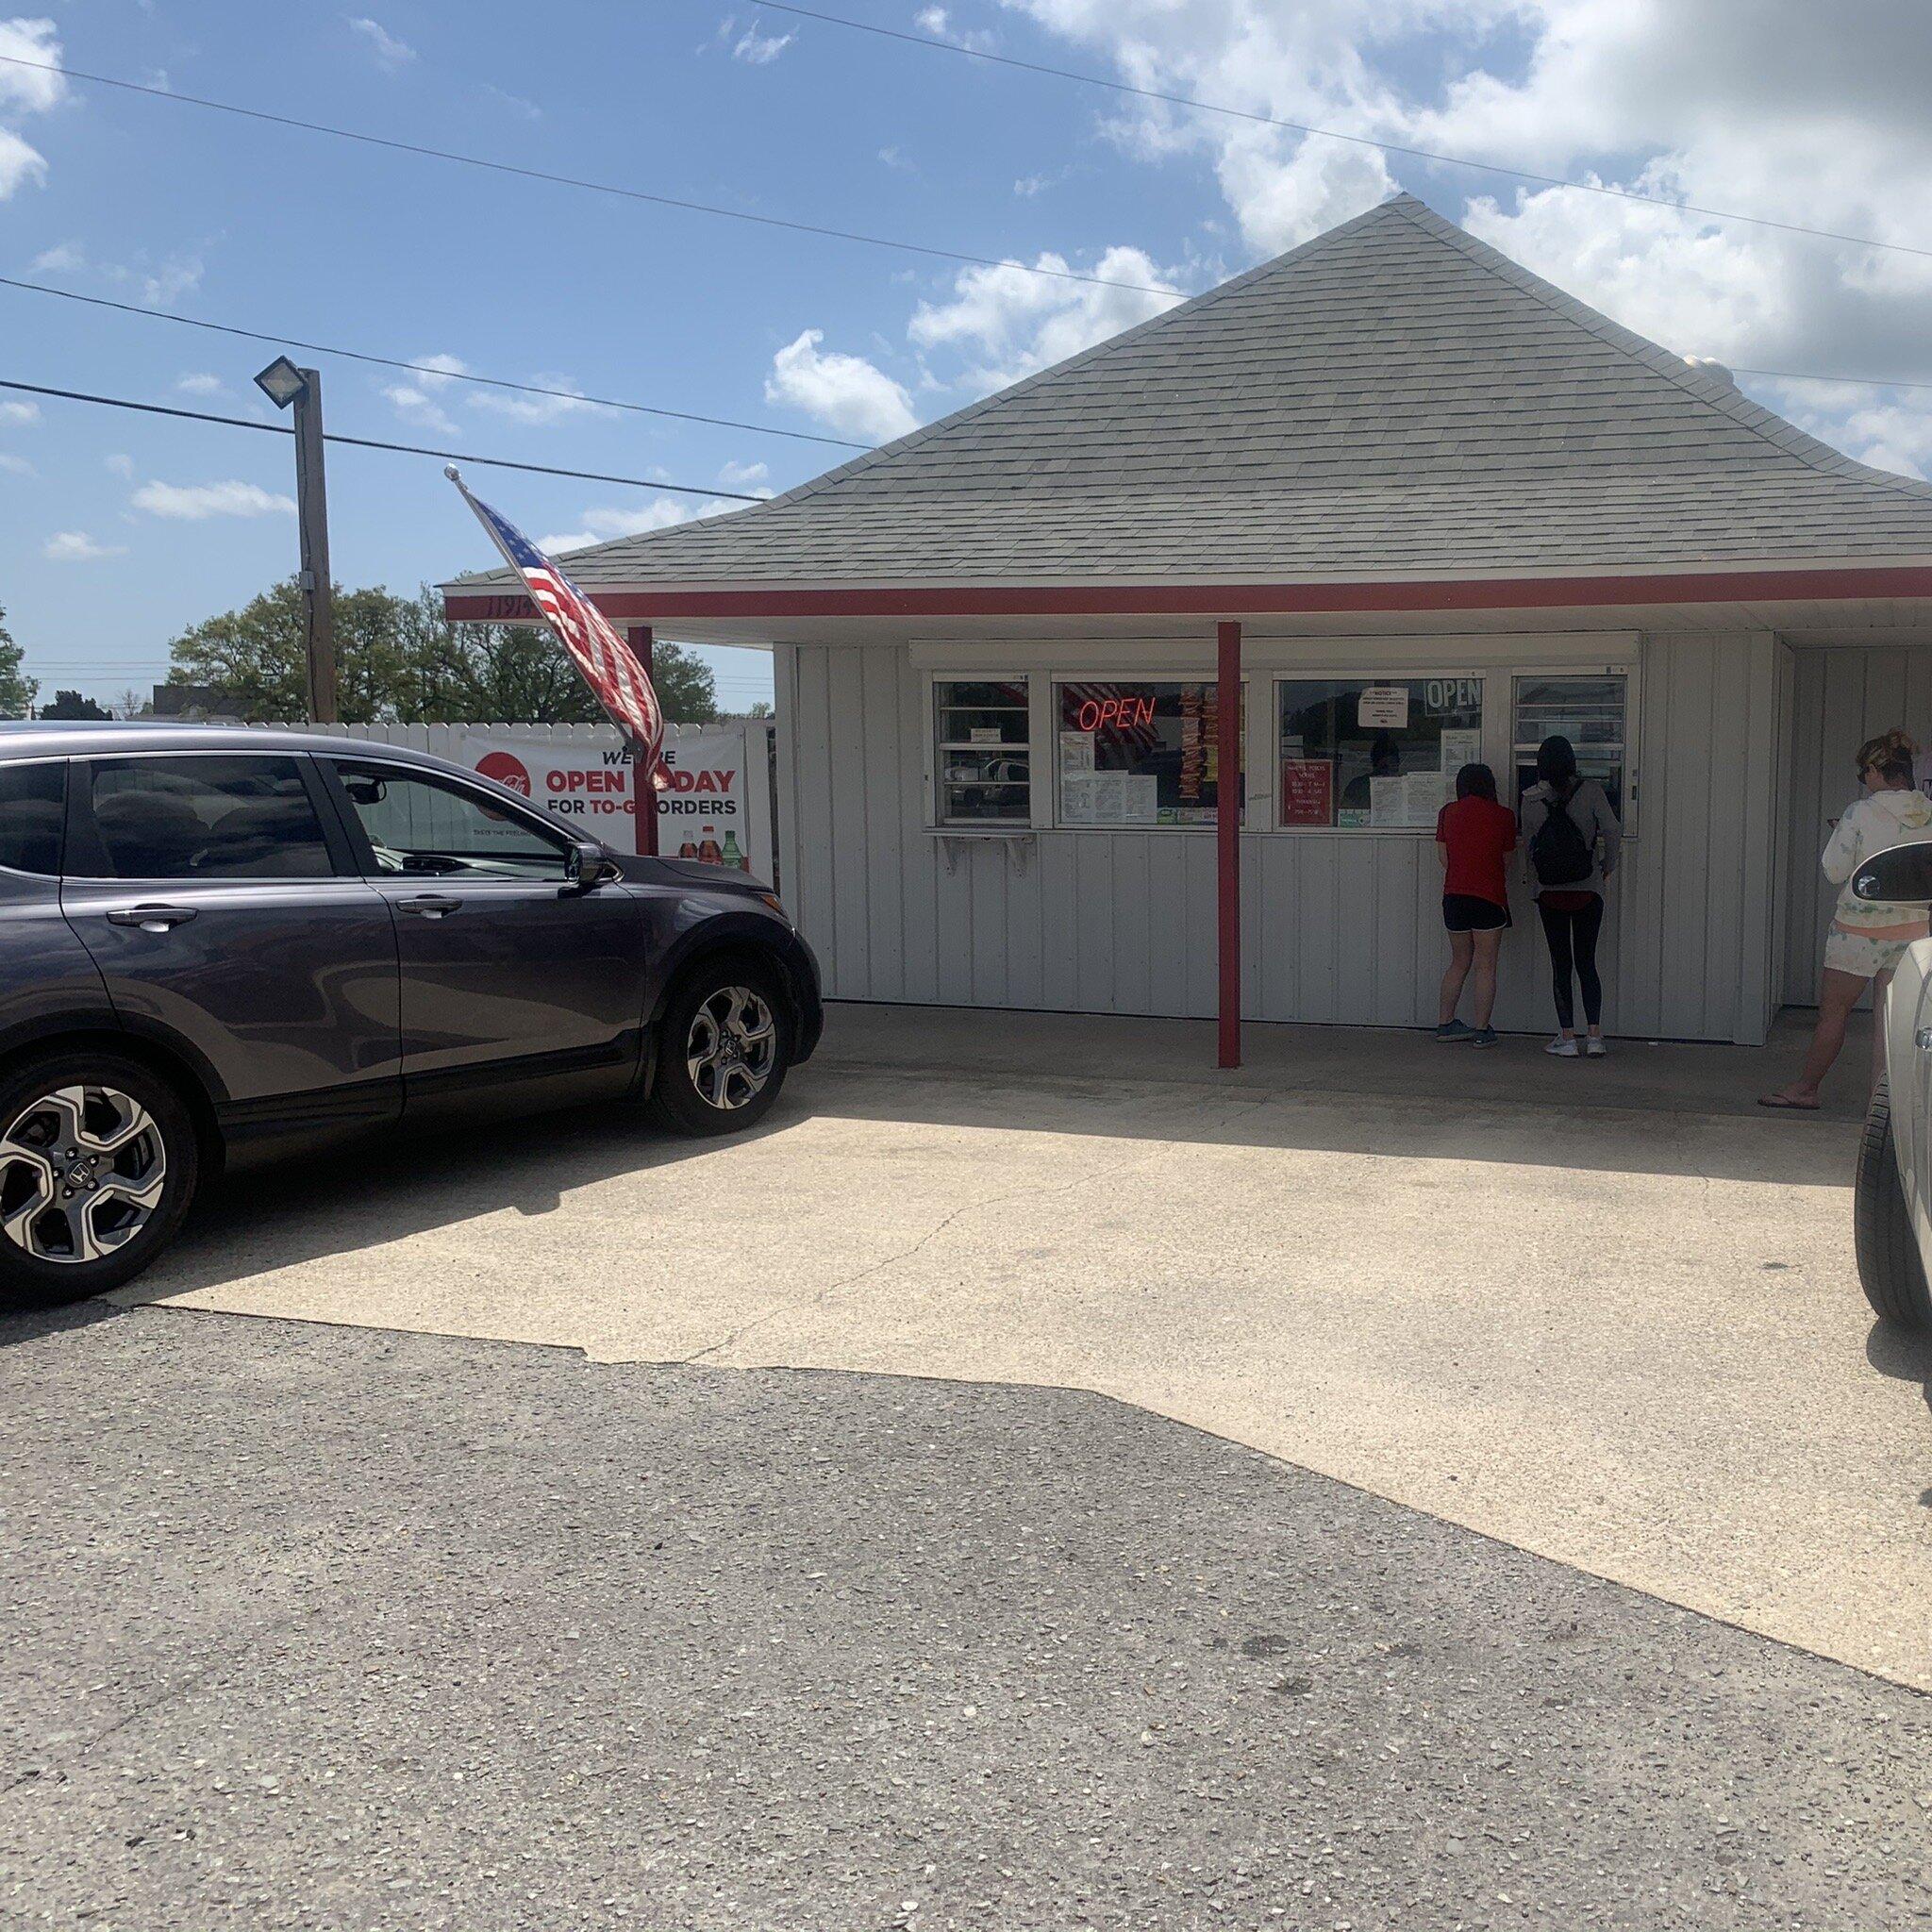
(1840, 696)
(1337, 927)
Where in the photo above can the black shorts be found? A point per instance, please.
(1465, 912)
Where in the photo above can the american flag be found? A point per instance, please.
(609, 665)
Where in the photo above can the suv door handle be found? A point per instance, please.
(429, 906)
(1923, 1040)
(151, 918)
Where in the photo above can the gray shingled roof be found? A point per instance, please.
(1393, 396)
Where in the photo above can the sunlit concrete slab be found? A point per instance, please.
(1606, 1313)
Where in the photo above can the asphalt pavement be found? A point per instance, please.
(332, 1628)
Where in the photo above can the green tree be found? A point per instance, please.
(400, 660)
(257, 658)
(519, 674)
(70, 704)
(17, 689)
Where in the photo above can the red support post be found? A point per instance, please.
(644, 795)
(1231, 784)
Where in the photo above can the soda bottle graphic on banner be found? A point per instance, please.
(732, 856)
(709, 853)
(687, 850)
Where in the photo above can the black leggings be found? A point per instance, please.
(1573, 945)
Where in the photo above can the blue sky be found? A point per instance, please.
(116, 531)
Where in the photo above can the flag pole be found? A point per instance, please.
(641, 642)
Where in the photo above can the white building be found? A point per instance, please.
(1400, 465)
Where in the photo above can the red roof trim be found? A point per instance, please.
(1218, 600)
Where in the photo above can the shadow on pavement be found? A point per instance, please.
(385, 1190)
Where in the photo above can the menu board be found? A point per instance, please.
(1308, 791)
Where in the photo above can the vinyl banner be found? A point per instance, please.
(704, 813)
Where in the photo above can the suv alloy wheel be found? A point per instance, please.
(98, 1163)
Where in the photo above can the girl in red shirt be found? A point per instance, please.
(1472, 838)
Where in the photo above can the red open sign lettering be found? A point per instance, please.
(1114, 714)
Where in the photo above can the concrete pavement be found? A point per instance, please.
(1603, 1313)
(352, 1631)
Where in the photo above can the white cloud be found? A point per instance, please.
(845, 392)
(602, 526)
(739, 476)
(20, 412)
(512, 104)
(77, 546)
(20, 166)
(1775, 107)
(119, 465)
(939, 24)
(528, 408)
(196, 503)
(390, 53)
(12, 465)
(1013, 323)
(31, 90)
(200, 385)
(163, 285)
(760, 50)
(154, 284)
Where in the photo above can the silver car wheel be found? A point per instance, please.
(82, 1170)
(732, 1048)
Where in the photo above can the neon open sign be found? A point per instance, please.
(1117, 714)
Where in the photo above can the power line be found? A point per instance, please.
(409, 449)
(1389, 147)
(441, 154)
(531, 389)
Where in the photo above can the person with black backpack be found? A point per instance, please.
(1573, 841)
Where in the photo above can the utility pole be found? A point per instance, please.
(284, 383)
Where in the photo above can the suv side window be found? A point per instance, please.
(33, 806)
(425, 826)
(212, 817)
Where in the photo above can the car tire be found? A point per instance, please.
(1890, 1269)
(135, 1128)
(723, 1048)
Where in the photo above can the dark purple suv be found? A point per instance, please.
(221, 946)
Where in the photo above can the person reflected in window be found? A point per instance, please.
(1385, 761)
(1867, 940)
(1573, 840)
(1474, 836)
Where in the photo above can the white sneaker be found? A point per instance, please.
(1594, 1047)
(1563, 1049)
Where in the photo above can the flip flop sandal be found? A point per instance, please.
(1778, 1103)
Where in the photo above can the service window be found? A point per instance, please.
(1380, 754)
(1589, 712)
(425, 826)
(206, 818)
(1139, 753)
(982, 756)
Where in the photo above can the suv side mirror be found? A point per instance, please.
(587, 868)
(1901, 874)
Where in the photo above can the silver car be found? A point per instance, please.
(1892, 1197)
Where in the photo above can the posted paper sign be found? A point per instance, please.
(1383, 708)
(1460, 748)
(1388, 807)
(1308, 791)
(1422, 796)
